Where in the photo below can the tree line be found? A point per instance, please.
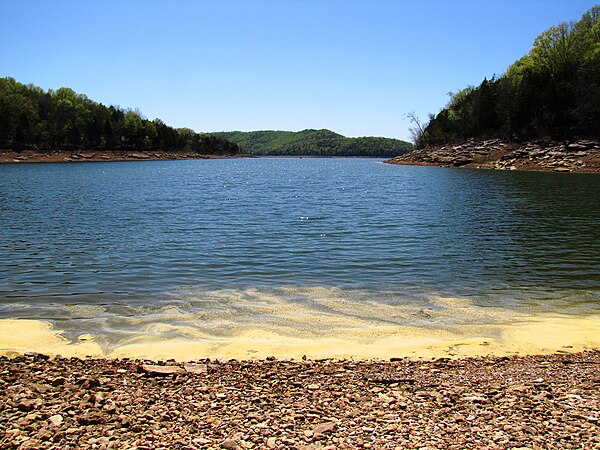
(31, 118)
(314, 143)
(552, 93)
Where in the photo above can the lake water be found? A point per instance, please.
(274, 254)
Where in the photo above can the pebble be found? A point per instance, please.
(56, 420)
(547, 401)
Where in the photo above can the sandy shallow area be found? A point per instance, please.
(531, 402)
(352, 338)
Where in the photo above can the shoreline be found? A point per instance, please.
(538, 401)
(496, 335)
(32, 156)
(59, 156)
(581, 156)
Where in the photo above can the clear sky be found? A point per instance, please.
(352, 66)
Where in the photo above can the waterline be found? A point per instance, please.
(291, 322)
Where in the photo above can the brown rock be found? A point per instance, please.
(197, 369)
(28, 405)
(56, 420)
(58, 381)
(161, 370)
(229, 444)
(91, 419)
(139, 155)
(323, 428)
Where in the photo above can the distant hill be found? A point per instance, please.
(314, 143)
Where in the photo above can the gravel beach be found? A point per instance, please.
(535, 402)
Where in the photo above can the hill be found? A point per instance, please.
(314, 143)
(47, 121)
(550, 94)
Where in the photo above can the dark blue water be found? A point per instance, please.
(138, 234)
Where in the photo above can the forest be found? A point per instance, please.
(31, 118)
(552, 93)
(314, 143)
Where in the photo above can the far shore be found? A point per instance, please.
(60, 156)
(77, 156)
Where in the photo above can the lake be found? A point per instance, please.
(292, 256)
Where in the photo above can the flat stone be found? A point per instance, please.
(139, 155)
(198, 369)
(55, 420)
(161, 370)
(323, 428)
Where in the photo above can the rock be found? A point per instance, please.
(502, 155)
(161, 370)
(58, 381)
(198, 369)
(91, 419)
(388, 380)
(476, 398)
(89, 383)
(229, 444)
(30, 443)
(139, 155)
(323, 428)
(463, 161)
(454, 403)
(578, 146)
(55, 420)
(28, 405)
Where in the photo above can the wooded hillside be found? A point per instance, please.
(314, 143)
(31, 118)
(551, 93)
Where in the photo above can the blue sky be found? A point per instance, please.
(355, 67)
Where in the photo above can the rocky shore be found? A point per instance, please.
(579, 156)
(32, 156)
(534, 402)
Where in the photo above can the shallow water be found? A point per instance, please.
(321, 251)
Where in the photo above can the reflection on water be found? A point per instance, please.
(321, 249)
